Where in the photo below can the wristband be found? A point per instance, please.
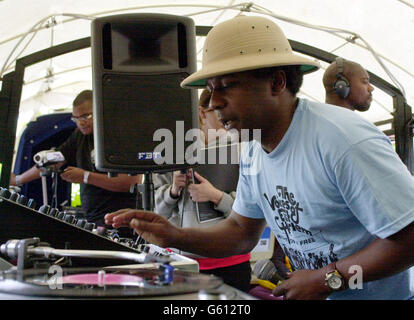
(17, 179)
(85, 176)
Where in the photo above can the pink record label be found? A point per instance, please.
(103, 279)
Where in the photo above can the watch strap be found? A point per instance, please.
(331, 268)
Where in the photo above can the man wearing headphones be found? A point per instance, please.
(347, 85)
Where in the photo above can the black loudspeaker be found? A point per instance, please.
(138, 63)
(341, 85)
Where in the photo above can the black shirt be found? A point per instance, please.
(78, 152)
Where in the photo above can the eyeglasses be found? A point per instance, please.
(85, 117)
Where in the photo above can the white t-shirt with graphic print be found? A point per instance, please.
(332, 186)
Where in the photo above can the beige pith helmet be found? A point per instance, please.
(245, 43)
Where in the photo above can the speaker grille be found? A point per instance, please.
(134, 108)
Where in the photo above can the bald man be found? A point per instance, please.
(353, 90)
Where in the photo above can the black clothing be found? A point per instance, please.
(237, 276)
(78, 152)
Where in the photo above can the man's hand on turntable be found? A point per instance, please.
(150, 226)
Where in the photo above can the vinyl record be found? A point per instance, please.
(99, 283)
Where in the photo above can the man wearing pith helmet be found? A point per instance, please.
(317, 177)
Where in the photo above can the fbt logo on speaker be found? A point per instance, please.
(149, 155)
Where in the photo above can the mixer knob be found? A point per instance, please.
(89, 226)
(53, 212)
(44, 209)
(68, 218)
(13, 196)
(22, 199)
(101, 231)
(81, 223)
(31, 204)
(5, 193)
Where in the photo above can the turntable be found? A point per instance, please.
(63, 230)
(98, 283)
(41, 273)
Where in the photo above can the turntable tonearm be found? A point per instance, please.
(39, 275)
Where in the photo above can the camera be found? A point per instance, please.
(47, 158)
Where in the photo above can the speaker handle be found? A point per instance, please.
(147, 191)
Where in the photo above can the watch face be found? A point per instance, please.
(334, 282)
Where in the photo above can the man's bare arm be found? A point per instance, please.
(29, 175)
(234, 235)
(382, 258)
(121, 183)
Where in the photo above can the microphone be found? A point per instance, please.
(266, 270)
(48, 157)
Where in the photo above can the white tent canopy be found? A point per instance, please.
(378, 34)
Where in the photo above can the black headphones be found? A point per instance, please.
(341, 85)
